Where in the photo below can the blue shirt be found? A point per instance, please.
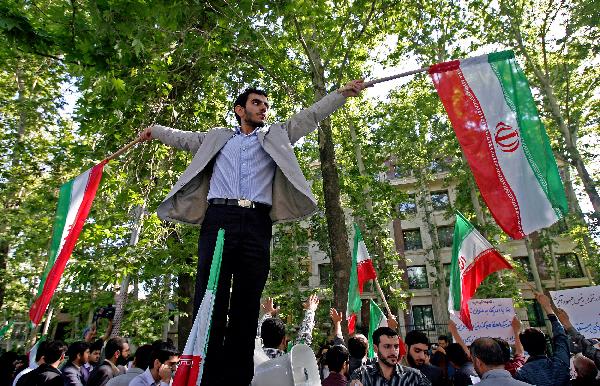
(243, 170)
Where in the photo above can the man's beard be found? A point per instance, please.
(121, 360)
(387, 363)
(411, 361)
(255, 124)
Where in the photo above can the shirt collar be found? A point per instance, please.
(148, 378)
(238, 130)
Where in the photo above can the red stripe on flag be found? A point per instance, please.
(351, 323)
(366, 272)
(188, 370)
(487, 262)
(41, 303)
(471, 129)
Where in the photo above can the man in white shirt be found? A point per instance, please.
(163, 364)
(141, 362)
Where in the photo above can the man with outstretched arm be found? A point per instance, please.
(241, 179)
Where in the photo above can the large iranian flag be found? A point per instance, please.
(361, 271)
(473, 259)
(74, 203)
(495, 118)
(191, 364)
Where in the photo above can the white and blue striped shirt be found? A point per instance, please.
(243, 170)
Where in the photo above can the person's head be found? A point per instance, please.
(143, 357)
(534, 341)
(39, 354)
(456, 355)
(272, 333)
(79, 352)
(487, 355)
(386, 345)
(251, 107)
(164, 354)
(417, 344)
(117, 350)
(505, 349)
(55, 353)
(337, 359)
(95, 351)
(358, 345)
(585, 368)
(443, 341)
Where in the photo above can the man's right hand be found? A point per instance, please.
(563, 317)
(146, 134)
(335, 315)
(545, 302)
(267, 306)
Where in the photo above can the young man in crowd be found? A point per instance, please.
(47, 373)
(163, 364)
(488, 360)
(141, 361)
(78, 354)
(463, 367)
(417, 352)
(337, 361)
(93, 359)
(387, 370)
(116, 353)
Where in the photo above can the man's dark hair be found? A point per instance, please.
(54, 351)
(163, 351)
(113, 345)
(444, 338)
(505, 349)
(383, 331)
(488, 351)
(358, 346)
(336, 357)
(75, 348)
(272, 332)
(143, 356)
(41, 350)
(456, 354)
(416, 337)
(534, 341)
(97, 345)
(243, 98)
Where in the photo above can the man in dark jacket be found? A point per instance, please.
(47, 374)
(417, 351)
(78, 354)
(116, 353)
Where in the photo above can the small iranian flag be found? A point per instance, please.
(473, 259)
(495, 118)
(361, 271)
(377, 319)
(189, 372)
(74, 203)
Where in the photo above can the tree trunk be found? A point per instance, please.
(3, 266)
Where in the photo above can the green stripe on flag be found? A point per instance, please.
(215, 267)
(64, 200)
(375, 318)
(354, 302)
(535, 141)
(462, 228)
(5, 329)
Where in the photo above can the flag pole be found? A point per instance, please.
(392, 77)
(123, 149)
(382, 296)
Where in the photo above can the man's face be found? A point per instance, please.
(171, 363)
(388, 350)
(442, 343)
(417, 354)
(125, 351)
(255, 111)
(94, 357)
(85, 357)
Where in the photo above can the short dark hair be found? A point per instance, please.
(41, 350)
(336, 357)
(163, 351)
(534, 341)
(243, 98)
(54, 351)
(505, 349)
(387, 331)
(75, 348)
(113, 345)
(444, 337)
(143, 357)
(456, 354)
(358, 346)
(488, 351)
(97, 345)
(272, 332)
(416, 337)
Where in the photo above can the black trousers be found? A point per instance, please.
(244, 271)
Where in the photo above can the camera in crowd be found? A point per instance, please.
(106, 312)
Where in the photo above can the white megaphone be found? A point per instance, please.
(296, 368)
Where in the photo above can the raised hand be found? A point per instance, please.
(311, 303)
(268, 308)
(352, 88)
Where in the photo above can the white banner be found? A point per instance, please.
(491, 318)
(583, 307)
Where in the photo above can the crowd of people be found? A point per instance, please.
(569, 358)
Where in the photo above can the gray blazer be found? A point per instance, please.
(500, 378)
(292, 197)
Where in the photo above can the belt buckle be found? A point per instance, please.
(245, 203)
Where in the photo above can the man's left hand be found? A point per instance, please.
(353, 88)
(311, 303)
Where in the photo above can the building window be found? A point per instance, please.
(523, 263)
(445, 235)
(409, 206)
(438, 166)
(440, 200)
(402, 171)
(568, 266)
(417, 277)
(412, 239)
(535, 315)
(423, 317)
(325, 274)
